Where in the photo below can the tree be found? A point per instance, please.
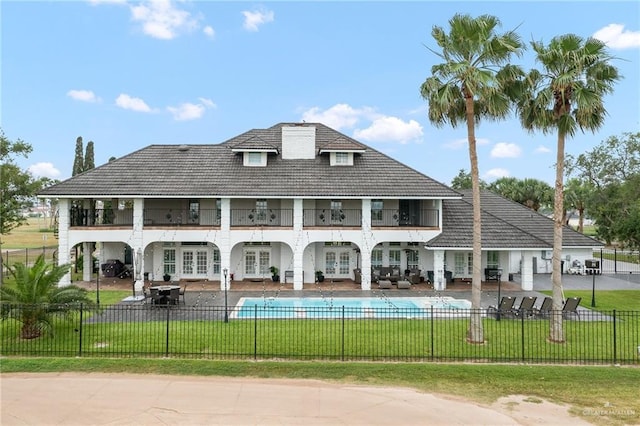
(78, 161)
(472, 83)
(463, 181)
(89, 161)
(567, 95)
(36, 297)
(576, 195)
(530, 192)
(17, 186)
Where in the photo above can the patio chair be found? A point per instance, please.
(504, 309)
(181, 293)
(525, 309)
(571, 307)
(156, 297)
(174, 296)
(544, 309)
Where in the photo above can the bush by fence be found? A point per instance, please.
(328, 334)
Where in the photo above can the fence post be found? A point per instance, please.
(166, 352)
(342, 349)
(80, 331)
(255, 332)
(432, 340)
(615, 341)
(615, 260)
(522, 315)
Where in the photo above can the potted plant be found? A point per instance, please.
(166, 277)
(275, 274)
(319, 276)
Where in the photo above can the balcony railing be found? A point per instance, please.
(332, 218)
(181, 217)
(394, 218)
(257, 217)
(100, 217)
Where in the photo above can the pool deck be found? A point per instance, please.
(208, 293)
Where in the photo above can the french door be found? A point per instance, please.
(337, 263)
(257, 263)
(195, 263)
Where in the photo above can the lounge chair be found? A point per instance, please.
(545, 308)
(525, 309)
(571, 307)
(504, 309)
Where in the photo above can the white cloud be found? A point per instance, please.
(209, 31)
(189, 111)
(496, 173)
(339, 116)
(83, 95)
(615, 36)
(136, 104)
(253, 19)
(44, 170)
(161, 19)
(390, 129)
(542, 149)
(506, 150)
(207, 102)
(462, 143)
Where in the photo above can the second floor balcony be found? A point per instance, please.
(311, 218)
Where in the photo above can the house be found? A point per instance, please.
(298, 196)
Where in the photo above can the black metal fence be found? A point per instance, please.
(337, 333)
(616, 261)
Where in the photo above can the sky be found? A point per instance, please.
(126, 75)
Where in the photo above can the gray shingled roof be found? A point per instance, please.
(216, 171)
(505, 224)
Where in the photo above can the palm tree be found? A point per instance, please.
(472, 83)
(567, 95)
(35, 297)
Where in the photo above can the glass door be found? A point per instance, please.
(337, 263)
(195, 263)
(257, 263)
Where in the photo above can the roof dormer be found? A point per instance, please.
(254, 152)
(342, 151)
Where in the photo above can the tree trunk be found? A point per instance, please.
(556, 332)
(30, 330)
(581, 220)
(476, 331)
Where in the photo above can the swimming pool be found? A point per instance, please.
(350, 307)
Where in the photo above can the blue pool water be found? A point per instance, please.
(349, 307)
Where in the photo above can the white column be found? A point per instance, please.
(225, 242)
(440, 283)
(137, 245)
(527, 270)
(298, 249)
(366, 245)
(87, 262)
(63, 239)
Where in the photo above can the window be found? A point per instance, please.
(254, 158)
(194, 210)
(463, 264)
(493, 259)
(376, 258)
(394, 258)
(412, 259)
(336, 211)
(169, 261)
(342, 158)
(376, 209)
(261, 210)
(216, 261)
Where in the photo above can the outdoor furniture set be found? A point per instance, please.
(164, 295)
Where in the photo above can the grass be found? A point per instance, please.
(583, 388)
(34, 234)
